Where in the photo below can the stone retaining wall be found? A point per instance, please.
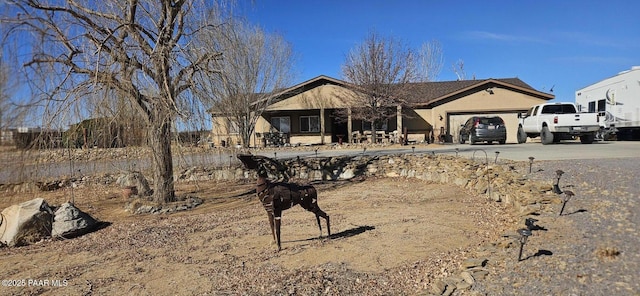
(505, 181)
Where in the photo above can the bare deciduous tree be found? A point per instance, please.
(380, 68)
(430, 60)
(4, 96)
(139, 50)
(255, 65)
(458, 69)
(10, 112)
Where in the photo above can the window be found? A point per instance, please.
(491, 121)
(281, 124)
(309, 124)
(558, 109)
(592, 107)
(602, 105)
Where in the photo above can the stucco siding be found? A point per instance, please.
(323, 97)
(220, 135)
(419, 124)
(309, 140)
(501, 99)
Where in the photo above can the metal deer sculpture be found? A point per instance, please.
(281, 195)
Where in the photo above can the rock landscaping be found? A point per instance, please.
(591, 249)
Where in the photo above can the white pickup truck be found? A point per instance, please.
(554, 122)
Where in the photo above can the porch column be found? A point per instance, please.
(399, 119)
(322, 125)
(349, 126)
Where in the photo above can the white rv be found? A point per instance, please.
(618, 100)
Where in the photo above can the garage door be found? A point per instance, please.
(510, 120)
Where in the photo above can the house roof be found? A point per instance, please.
(424, 94)
(428, 93)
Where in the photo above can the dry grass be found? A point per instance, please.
(607, 253)
(390, 236)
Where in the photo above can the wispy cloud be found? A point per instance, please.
(604, 60)
(484, 35)
(588, 39)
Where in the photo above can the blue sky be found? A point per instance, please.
(566, 45)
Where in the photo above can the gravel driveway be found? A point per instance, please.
(593, 249)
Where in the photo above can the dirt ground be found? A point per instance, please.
(389, 236)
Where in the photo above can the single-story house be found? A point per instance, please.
(306, 113)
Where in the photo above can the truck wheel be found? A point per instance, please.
(522, 136)
(587, 139)
(460, 139)
(546, 137)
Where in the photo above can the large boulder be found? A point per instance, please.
(137, 180)
(70, 221)
(25, 223)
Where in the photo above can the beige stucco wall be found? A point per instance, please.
(220, 132)
(309, 140)
(327, 96)
(418, 125)
(501, 100)
(262, 126)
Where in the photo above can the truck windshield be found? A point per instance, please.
(558, 109)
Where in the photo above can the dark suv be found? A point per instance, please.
(483, 128)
